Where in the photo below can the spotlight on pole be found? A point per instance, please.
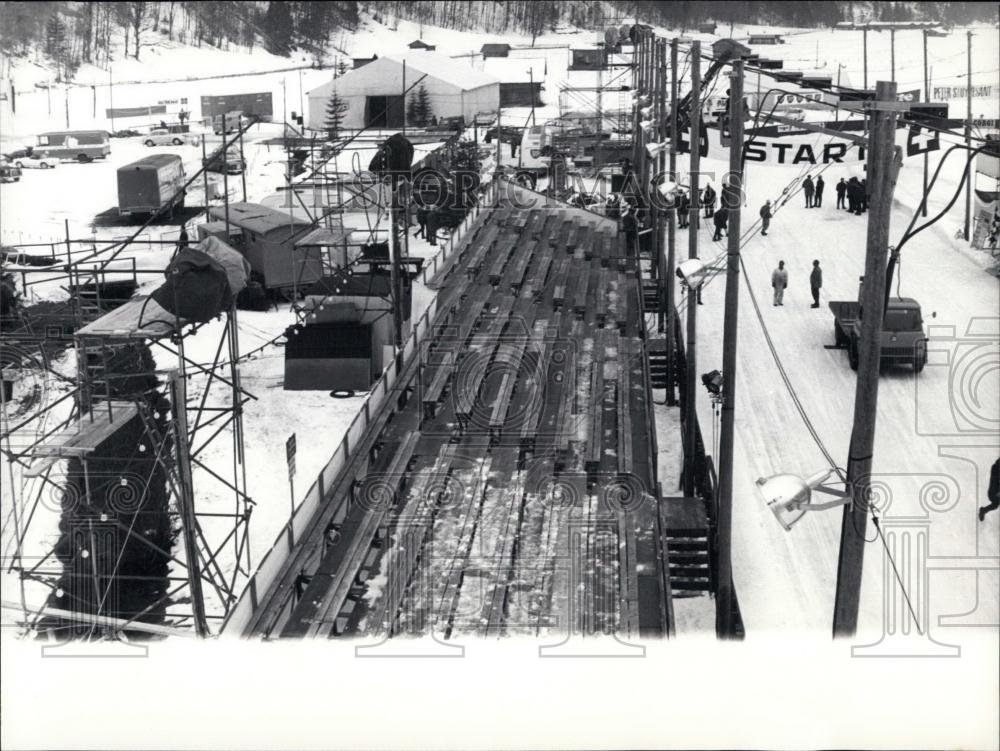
(646, 112)
(713, 382)
(788, 496)
(691, 272)
(655, 149)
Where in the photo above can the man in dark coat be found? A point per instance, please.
(765, 217)
(992, 491)
(182, 238)
(864, 194)
(630, 226)
(721, 220)
(807, 187)
(683, 209)
(818, 200)
(854, 194)
(708, 199)
(841, 194)
(815, 283)
(421, 221)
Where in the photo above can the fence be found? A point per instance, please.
(273, 561)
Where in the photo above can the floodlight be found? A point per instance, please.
(788, 496)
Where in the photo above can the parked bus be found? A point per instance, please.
(82, 145)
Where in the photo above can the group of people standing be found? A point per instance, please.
(779, 282)
(853, 195)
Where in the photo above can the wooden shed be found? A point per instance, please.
(266, 237)
(495, 50)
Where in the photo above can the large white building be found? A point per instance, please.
(374, 92)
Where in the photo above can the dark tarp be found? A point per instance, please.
(395, 155)
(197, 288)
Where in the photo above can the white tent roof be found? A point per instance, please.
(457, 73)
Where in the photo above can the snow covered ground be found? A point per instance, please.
(784, 580)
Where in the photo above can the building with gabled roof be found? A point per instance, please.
(374, 94)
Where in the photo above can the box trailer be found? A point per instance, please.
(259, 104)
(151, 184)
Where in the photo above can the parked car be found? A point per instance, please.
(16, 154)
(903, 340)
(9, 173)
(231, 162)
(163, 137)
(35, 161)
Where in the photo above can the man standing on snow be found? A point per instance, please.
(721, 219)
(779, 280)
(864, 194)
(807, 186)
(709, 201)
(854, 196)
(683, 209)
(841, 193)
(816, 283)
(765, 217)
(819, 192)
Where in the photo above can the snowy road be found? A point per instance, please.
(936, 434)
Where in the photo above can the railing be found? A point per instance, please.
(274, 559)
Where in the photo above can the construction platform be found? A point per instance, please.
(511, 487)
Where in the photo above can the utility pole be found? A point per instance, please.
(927, 98)
(694, 141)
(864, 37)
(724, 520)
(668, 276)
(968, 133)
(67, 106)
(882, 168)
(243, 172)
(185, 492)
(892, 52)
(394, 273)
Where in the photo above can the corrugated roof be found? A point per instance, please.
(256, 218)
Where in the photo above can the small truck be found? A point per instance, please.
(153, 183)
(903, 338)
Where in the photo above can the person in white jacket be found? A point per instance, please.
(779, 280)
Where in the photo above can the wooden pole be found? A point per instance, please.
(892, 52)
(204, 174)
(881, 180)
(927, 98)
(968, 133)
(185, 491)
(864, 37)
(243, 172)
(394, 274)
(672, 232)
(724, 520)
(690, 419)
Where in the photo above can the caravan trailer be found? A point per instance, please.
(82, 145)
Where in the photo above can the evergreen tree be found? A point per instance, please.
(420, 112)
(336, 108)
(341, 67)
(280, 27)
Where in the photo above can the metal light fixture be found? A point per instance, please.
(647, 111)
(655, 149)
(646, 125)
(691, 272)
(713, 382)
(789, 496)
